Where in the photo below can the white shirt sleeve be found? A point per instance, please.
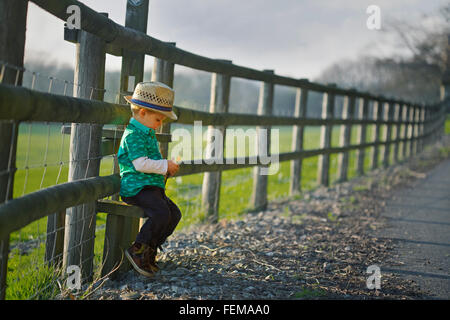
(146, 165)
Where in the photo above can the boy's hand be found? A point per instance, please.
(172, 167)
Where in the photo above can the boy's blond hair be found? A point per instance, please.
(135, 109)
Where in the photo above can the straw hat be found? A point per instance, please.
(154, 95)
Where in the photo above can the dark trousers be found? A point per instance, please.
(163, 215)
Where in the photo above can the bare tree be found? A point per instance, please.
(414, 73)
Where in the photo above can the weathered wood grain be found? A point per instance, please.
(300, 111)
(219, 102)
(260, 180)
(85, 155)
(13, 17)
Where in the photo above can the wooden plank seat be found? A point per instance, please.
(119, 208)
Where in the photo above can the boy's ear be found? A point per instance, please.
(142, 112)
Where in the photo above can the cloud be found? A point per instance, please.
(297, 38)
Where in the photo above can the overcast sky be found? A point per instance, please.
(296, 38)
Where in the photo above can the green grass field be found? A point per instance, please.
(42, 161)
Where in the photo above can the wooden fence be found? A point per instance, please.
(410, 126)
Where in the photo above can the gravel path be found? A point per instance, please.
(314, 246)
(419, 220)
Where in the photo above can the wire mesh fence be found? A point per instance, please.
(43, 160)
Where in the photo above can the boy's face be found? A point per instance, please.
(151, 119)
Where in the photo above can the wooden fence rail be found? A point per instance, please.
(410, 124)
(27, 105)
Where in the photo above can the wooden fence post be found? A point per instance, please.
(13, 17)
(54, 241)
(85, 155)
(409, 117)
(132, 71)
(325, 139)
(408, 130)
(388, 115)
(117, 231)
(438, 124)
(396, 134)
(413, 129)
(421, 127)
(348, 110)
(427, 126)
(121, 231)
(265, 105)
(418, 128)
(301, 105)
(430, 125)
(363, 113)
(377, 112)
(219, 102)
(163, 71)
(406, 147)
(433, 126)
(404, 130)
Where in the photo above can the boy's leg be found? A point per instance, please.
(151, 200)
(174, 219)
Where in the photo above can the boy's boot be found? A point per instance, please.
(150, 258)
(137, 255)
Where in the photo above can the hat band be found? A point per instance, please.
(145, 104)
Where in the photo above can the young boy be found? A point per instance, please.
(143, 170)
